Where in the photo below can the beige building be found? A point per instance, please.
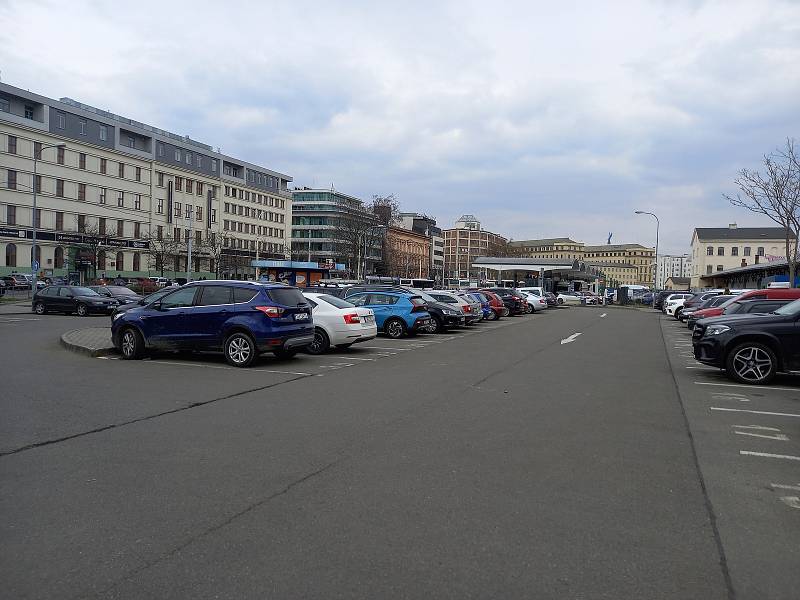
(618, 258)
(464, 243)
(407, 253)
(548, 248)
(721, 248)
(122, 197)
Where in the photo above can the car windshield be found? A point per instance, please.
(156, 295)
(123, 291)
(734, 308)
(792, 308)
(84, 291)
(334, 301)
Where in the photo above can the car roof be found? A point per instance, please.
(238, 283)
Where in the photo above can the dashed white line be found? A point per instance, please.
(780, 486)
(749, 387)
(754, 412)
(768, 455)
(206, 366)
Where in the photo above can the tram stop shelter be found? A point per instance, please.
(553, 274)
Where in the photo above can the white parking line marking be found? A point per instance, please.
(17, 320)
(791, 501)
(759, 427)
(768, 455)
(755, 412)
(749, 387)
(570, 339)
(778, 437)
(780, 486)
(389, 348)
(358, 358)
(603, 315)
(203, 366)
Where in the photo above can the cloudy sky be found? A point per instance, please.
(543, 119)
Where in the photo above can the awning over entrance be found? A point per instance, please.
(546, 268)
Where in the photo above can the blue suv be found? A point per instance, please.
(243, 319)
(396, 313)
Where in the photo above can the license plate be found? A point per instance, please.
(301, 317)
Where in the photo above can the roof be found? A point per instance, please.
(762, 266)
(740, 233)
(679, 280)
(544, 242)
(604, 247)
(487, 260)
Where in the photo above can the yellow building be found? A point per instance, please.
(548, 248)
(619, 258)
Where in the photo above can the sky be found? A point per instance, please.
(542, 119)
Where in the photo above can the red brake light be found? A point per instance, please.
(270, 311)
(467, 308)
(352, 318)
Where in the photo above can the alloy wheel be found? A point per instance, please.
(81, 310)
(128, 343)
(239, 349)
(394, 329)
(752, 364)
(39, 308)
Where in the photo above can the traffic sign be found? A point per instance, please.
(35, 266)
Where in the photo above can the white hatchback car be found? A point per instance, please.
(566, 298)
(338, 323)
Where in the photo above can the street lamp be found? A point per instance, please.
(655, 270)
(34, 262)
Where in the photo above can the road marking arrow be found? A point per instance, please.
(603, 315)
(571, 338)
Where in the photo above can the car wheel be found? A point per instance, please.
(492, 316)
(751, 362)
(531, 310)
(394, 328)
(284, 353)
(131, 344)
(560, 301)
(81, 310)
(321, 342)
(39, 308)
(436, 325)
(239, 349)
(677, 313)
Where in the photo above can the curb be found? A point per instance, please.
(93, 352)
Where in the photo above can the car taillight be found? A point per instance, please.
(467, 308)
(419, 308)
(352, 318)
(270, 311)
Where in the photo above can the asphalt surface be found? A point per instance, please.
(495, 462)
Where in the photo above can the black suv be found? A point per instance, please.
(751, 347)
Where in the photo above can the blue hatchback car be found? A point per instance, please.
(396, 313)
(240, 318)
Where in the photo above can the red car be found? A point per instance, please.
(498, 308)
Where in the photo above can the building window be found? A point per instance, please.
(188, 158)
(136, 261)
(199, 161)
(747, 250)
(160, 149)
(62, 120)
(5, 105)
(131, 142)
(179, 184)
(59, 221)
(138, 173)
(188, 211)
(214, 165)
(103, 166)
(81, 223)
(58, 257)
(12, 144)
(60, 155)
(101, 226)
(103, 133)
(177, 155)
(709, 250)
(198, 237)
(120, 228)
(159, 232)
(101, 259)
(720, 251)
(178, 208)
(60, 188)
(11, 181)
(198, 213)
(120, 198)
(82, 160)
(82, 127)
(120, 261)
(121, 170)
(188, 186)
(199, 188)
(760, 251)
(160, 179)
(28, 111)
(37, 150)
(735, 251)
(82, 192)
(11, 255)
(102, 195)
(11, 214)
(137, 230)
(160, 206)
(137, 202)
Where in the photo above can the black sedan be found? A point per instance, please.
(119, 293)
(750, 347)
(142, 301)
(71, 299)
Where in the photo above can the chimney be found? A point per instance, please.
(731, 225)
(744, 263)
(757, 257)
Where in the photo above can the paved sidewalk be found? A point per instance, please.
(15, 308)
(94, 341)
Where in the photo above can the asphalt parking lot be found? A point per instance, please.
(565, 454)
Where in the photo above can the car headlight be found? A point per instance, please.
(716, 329)
(116, 316)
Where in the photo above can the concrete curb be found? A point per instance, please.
(75, 345)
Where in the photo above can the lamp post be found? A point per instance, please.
(655, 269)
(34, 263)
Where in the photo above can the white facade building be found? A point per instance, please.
(672, 265)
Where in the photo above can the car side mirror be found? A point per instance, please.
(156, 305)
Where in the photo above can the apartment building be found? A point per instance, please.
(721, 248)
(672, 265)
(426, 225)
(116, 196)
(618, 258)
(407, 253)
(464, 243)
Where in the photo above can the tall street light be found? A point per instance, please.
(655, 270)
(35, 263)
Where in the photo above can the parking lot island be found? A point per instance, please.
(94, 341)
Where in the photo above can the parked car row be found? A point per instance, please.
(752, 335)
(81, 300)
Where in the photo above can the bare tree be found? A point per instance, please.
(91, 243)
(776, 194)
(386, 209)
(355, 227)
(161, 251)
